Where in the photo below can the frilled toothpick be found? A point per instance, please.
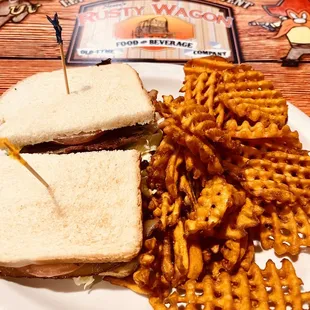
(58, 29)
(13, 152)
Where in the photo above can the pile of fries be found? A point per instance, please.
(228, 171)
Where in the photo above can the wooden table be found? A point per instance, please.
(29, 47)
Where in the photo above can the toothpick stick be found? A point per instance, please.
(62, 55)
(36, 175)
(55, 22)
(13, 151)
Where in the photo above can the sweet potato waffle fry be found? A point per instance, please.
(265, 111)
(261, 147)
(236, 225)
(195, 257)
(285, 182)
(215, 199)
(168, 211)
(208, 64)
(258, 131)
(252, 99)
(172, 173)
(232, 253)
(248, 257)
(199, 122)
(284, 228)
(187, 188)
(255, 289)
(243, 75)
(168, 105)
(194, 165)
(203, 91)
(198, 147)
(229, 169)
(157, 169)
(247, 85)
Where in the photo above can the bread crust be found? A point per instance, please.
(118, 101)
(112, 211)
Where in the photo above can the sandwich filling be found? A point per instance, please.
(70, 270)
(97, 141)
(107, 140)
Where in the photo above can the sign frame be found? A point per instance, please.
(236, 54)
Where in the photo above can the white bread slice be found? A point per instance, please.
(38, 108)
(94, 215)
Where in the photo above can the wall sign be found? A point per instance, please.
(293, 22)
(16, 10)
(167, 31)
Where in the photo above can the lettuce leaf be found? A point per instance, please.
(86, 281)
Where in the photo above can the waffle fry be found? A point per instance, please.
(265, 111)
(148, 265)
(156, 170)
(232, 252)
(260, 85)
(285, 285)
(271, 145)
(252, 98)
(168, 105)
(286, 229)
(282, 182)
(246, 84)
(172, 173)
(231, 92)
(168, 210)
(236, 225)
(195, 258)
(215, 199)
(194, 144)
(244, 290)
(198, 121)
(234, 163)
(259, 131)
(228, 167)
(186, 187)
(180, 249)
(245, 74)
(167, 265)
(202, 91)
(195, 118)
(194, 165)
(156, 271)
(248, 258)
(155, 264)
(207, 64)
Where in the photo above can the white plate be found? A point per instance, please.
(37, 294)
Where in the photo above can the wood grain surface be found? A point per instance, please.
(29, 47)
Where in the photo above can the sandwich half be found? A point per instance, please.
(106, 109)
(88, 223)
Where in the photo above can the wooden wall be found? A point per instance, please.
(29, 47)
